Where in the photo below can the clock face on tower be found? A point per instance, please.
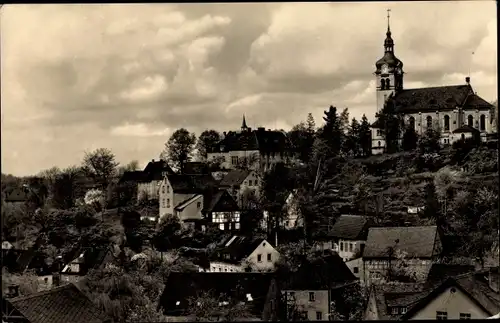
(385, 69)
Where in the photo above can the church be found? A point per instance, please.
(454, 110)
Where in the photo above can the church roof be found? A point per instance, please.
(465, 129)
(434, 98)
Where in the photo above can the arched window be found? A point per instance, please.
(387, 83)
(447, 122)
(382, 84)
(482, 122)
(470, 121)
(429, 122)
(379, 143)
(463, 137)
(412, 123)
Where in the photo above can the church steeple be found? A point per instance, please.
(244, 124)
(388, 43)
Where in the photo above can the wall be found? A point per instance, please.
(375, 270)
(452, 303)
(320, 304)
(218, 266)
(227, 157)
(192, 211)
(356, 263)
(264, 265)
(376, 138)
(150, 188)
(221, 218)
(346, 254)
(252, 178)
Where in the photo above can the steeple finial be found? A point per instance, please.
(244, 124)
(388, 21)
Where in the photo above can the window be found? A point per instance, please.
(237, 226)
(379, 144)
(168, 189)
(395, 311)
(387, 83)
(198, 205)
(378, 132)
(46, 280)
(259, 258)
(221, 226)
(341, 246)
(319, 316)
(441, 315)
(249, 182)
(356, 270)
(168, 202)
(462, 137)
(234, 160)
(382, 84)
(429, 122)
(350, 247)
(482, 122)
(269, 257)
(411, 122)
(403, 310)
(465, 316)
(163, 190)
(447, 123)
(312, 297)
(162, 202)
(470, 121)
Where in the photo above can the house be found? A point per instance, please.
(250, 288)
(256, 149)
(293, 219)
(443, 108)
(59, 305)
(183, 195)
(385, 247)
(148, 185)
(196, 168)
(240, 254)
(17, 196)
(348, 236)
(464, 132)
(221, 210)
(240, 183)
(309, 292)
(357, 268)
(83, 260)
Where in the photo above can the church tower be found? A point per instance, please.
(389, 70)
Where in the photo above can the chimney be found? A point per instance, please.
(152, 160)
(493, 279)
(467, 80)
(261, 129)
(13, 291)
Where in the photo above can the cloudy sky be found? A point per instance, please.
(79, 77)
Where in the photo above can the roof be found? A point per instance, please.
(475, 101)
(465, 128)
(441, 272)
(235, 177)
(326, 272)
(417, 241)
(350, 227)
(396, 295)
(220, 201)
(239, 247)
(474, 285)
(191, 183)
(188, 201)
(265, 141)
(431, 98)
(16, 195)
(195, 168)
(133, 176)
(179, 287)
(93, 258)
(59, 305)
(154, 170)
(16, 260)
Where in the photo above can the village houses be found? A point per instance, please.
(243, 185)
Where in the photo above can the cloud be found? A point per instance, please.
(78, 77)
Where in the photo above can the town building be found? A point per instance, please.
(387, 247)
(243, 185)
(255, 149)
(446, 109)
(240, 254)
(290, 207)
(83, 260)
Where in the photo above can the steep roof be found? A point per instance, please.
(133, 176)
(396, 295)
(220, 201)
(188, 201)
(17, 195)
(441, 272)
(93, 258)
(179, 287)
(266, 141)
(191, 183)
(351, 227)
(475, 101)
(431, 98)
(235, 177)
(416, 241)
(465, 129)
(474, 285)
(239, 247)
(154, 170)
(59, 305)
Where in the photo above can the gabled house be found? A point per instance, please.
(83, 260)
(290, 206)
(240, 182)
(240, 254)
(148, 185)
(348, 236)
(252, 289)
(387, 247)
(221, 210)
(59, 305)
(308, 293)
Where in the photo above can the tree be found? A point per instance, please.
(429, 141)
(391, 125)
(302, 138)
(310, 124)
(206, 143)
(130, 167)
(96, 199)
(131, 222)
(209, 307)
(410, 139)
(179, 148)
(348, 303)
(100, 165)
(168, 233)
(352, 144)
(365, 138)
(64, 189)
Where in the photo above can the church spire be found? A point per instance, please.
(388, 22)
(244, 124)
(389, 43)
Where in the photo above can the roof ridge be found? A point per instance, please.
(45, 292)
(434, 87)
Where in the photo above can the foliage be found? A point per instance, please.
(64, 188)
(206, 143)
(302, 137)
(100, 165)
(429, 141)
(130, 167)
(209, 307)
(391, 125)
(169, 233)
(179, 148)
(96, 199)
(348, 303)
(27, 282)
(131, 222)
(410, 139)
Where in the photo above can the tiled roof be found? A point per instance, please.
(93, 258)
(220, 201)
(431, 98)
(154, 170)
(191, 184)
(240, 247)
(265, 141)
(475, 101)
(59, 305)
(396, 295)
(17, 195)
(441, 272)
(179, 287)
(235, 177)
(351, 227)
(416, 241)
(465, 129)
(188, 201)
(134, 176)
(326, 272)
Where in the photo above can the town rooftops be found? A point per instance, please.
(220, 201)
(195, 168)
(441, 272)
(235, 177)
(265, 141)
(89, 258)
(251, 288)
(237, 248)
(191, 183)
(59, 305)
(132, 176)
(350, 227)
(419, 242)
(396, 295)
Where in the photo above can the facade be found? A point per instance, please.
(384, 246)
(255, 149)
(223, 212)
(444, 108)
(242, 254)
(148, 183)
(241, 183)
(356, 267)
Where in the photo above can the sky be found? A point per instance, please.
(125, 76)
